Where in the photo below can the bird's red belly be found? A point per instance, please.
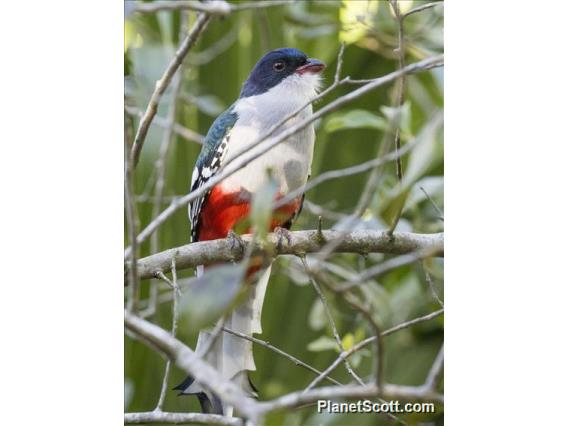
(224, 210)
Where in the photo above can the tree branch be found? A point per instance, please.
(327, 309)
(301, 242)
(163, 83)
(273, 348)
(214, 7)
(368, 341)
(422, 7)
(180, 418)
(203, 373)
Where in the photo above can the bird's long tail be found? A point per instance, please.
(230, 355)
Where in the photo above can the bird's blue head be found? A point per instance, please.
(276, 66)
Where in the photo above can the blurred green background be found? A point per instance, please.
(293, 317)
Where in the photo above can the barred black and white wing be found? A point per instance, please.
(208, 164)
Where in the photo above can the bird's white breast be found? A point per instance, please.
(290, 160)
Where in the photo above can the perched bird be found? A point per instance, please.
(282, 81)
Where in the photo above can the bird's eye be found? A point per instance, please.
(278, 66)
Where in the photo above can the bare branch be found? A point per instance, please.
(435, 374)
(391, 264)
(180, 418)
(176, 295)
(131, 222)
(412, 322)
(369, 340)
(260, 4)
(360, 241)
(213, 7)
(440, 212)
(162, 161)
(379, 366)
(431, 285)
(400, 51)
(238, 163)
(422, 7)
(162, 84)
(323, 300)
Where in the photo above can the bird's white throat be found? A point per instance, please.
(289, 161)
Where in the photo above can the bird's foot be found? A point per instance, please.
(235, 241)
(282, 234)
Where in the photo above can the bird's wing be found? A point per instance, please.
(209, 162)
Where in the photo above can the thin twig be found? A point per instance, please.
(400, 50)
(323, 300)
(440, 212)
(164, 388)
(389, 265)
(213, 337)
(435, 373)
(260, 4)
(369, 340)
(273, 348)
(131, 222)
(421, 8)
(162, 161)
(431, 285)
(163, 83)
(376, 326)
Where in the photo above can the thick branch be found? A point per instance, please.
(180, 418)
(301, 242)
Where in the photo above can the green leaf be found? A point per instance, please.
(317, 318)
(209, 296)
(355, 119)
(262, 207)
(400, 117)
(348, 341)
(322, 343)
(425, 156)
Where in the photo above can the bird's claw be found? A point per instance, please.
(282, 234)
(235, 241)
